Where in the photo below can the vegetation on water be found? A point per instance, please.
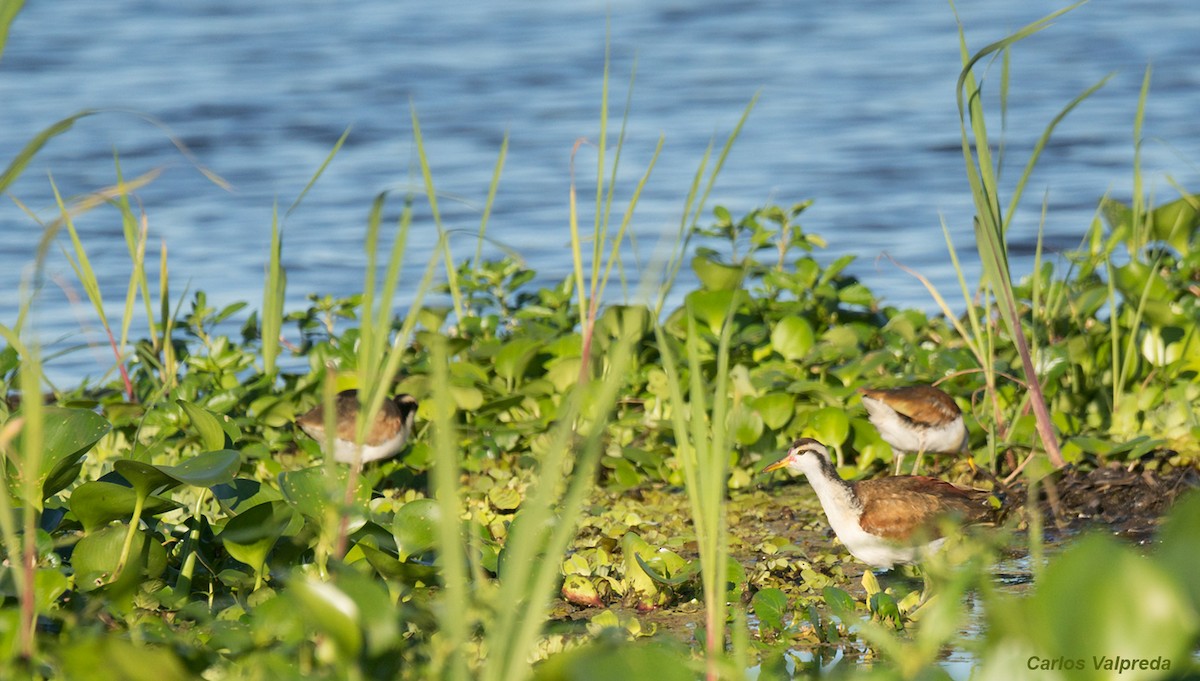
(584, 475)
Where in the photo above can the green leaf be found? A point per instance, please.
(792, 338)
(712, 307)
(207, 426)
(608, 660)
(770, 607)
(415, 527)
(642, 585)
(206, 469)
(117, 658)
(331, 612)
(831, 425)
(312, 491)
(68, 435)
(512, 359)
(503, 498)
(250, 535)
(1176, 223)
(839, 602)
(715, 276)
(96, 503)
(746, 424)
(144, 477)
(96, 556)
(776, 409)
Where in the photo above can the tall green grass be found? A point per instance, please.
(992, 222)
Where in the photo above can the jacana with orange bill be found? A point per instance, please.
(918, 419)
(888, 520)
(385, 437)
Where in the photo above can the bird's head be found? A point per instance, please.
(806, 455)
(407, 404)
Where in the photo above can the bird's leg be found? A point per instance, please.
(898, 455)
(917, 464)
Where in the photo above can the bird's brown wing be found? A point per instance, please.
(388, 420)
(921, 404)
(897, 507)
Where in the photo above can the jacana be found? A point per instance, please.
(918, 419)
(888, 520)
(387, 435)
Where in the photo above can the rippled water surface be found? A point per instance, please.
(857, 111)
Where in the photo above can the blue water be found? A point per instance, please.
(857, 111)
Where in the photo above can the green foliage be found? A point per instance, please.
(176, 521)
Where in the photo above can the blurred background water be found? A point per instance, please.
(857, 111)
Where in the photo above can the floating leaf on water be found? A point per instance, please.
(839, 602)
(504, 499)
(578, 589)
(770, 607)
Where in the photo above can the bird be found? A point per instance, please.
(917, 418)
(387, 434)
(887, 520)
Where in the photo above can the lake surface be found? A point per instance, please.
(857, 111)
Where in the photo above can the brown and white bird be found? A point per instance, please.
(887, 520)
(918, 419)
(387, 435)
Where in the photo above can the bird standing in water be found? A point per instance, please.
(889, 520)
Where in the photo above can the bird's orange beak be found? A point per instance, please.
(778, 464)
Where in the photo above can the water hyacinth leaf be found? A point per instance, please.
(770, 607)
(205, 424)
(856, 294)
(117, 658)
(1175, 223)
(68, 435)
(711, 307)
(715, 276)
(143, 477)
(776, 409)
(467, 397)
(830, 425)
(330, 611)
(839, 602)
(312, 492)
(512, 359)
(579, 590)
(505, 499)
(97, 555)
(667, 567)
(250, 535)
(642, 586)
(746, 424)
(792, 338)
(96, 503)
(415, 527)
(206, 469)
(376, 613)
(608, 660)
(391, 568)
(243, 492)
